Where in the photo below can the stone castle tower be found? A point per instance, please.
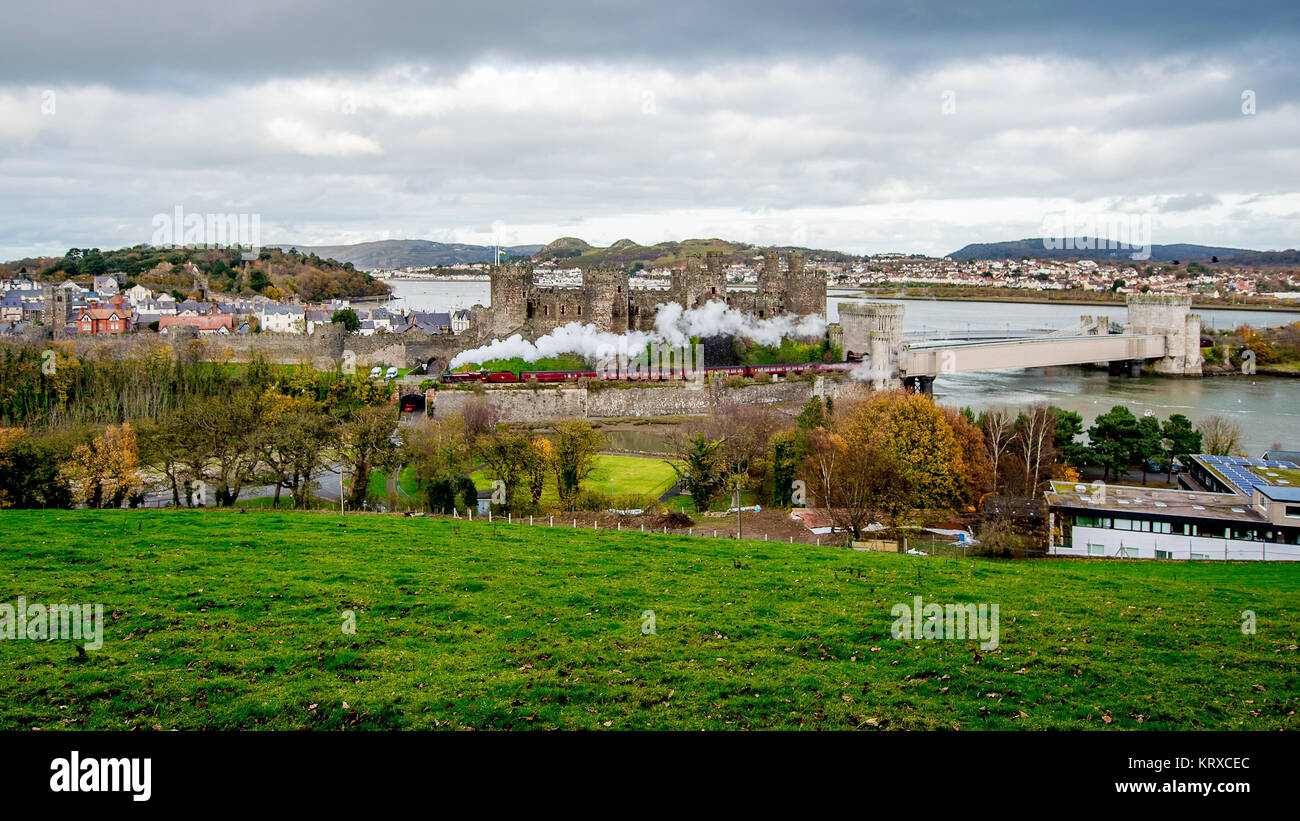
(606, 300)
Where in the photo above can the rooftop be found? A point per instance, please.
(1147, 501)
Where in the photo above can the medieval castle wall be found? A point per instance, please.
(605, 299)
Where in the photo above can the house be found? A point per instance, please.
(109, 320)
(11, 307)
(282, 319)
(315, 319)
(138, 294)
(208, 324)
(429, 323)
(460, 321)
(105, 285)
(1249, 510)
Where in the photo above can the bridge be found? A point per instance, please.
(1161, 334)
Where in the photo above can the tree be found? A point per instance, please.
(1035, 431)
(30, 475)
(104, 472)
(348, 319)
(367, 444)
(701, 466)
(1113, 440)
(870, 484)
(916, 432)
(1147, 447)
(511, 458)
(976, 468)
(226, 431)
(812, 415)
(1180, 440)
(573, 457)
(1069, 426)
(295, 435)
(1220, 436)
(999, 427)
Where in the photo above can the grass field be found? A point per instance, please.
(217, 619)
(617, 475)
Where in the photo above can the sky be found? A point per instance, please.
(863, 127)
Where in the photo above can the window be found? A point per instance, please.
(1200, 556)
(1096, 550)
(1164, 554)
(1293, 511)
(1128, 552)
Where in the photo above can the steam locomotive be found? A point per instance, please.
(645, 375)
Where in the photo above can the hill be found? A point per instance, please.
(274, 273)
(626, 253)
(1034, 248)
(412, 253)
(224, 620)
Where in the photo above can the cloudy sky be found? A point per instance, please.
(859, 126)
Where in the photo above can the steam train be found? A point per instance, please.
(646, 375)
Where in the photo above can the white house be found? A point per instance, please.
(282, 319)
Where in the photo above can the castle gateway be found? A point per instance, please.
(604, 299)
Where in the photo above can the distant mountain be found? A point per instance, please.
(404, 253)
(626, 253)
(1036, 248)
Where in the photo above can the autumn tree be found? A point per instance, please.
(105, 471)
(916, 432)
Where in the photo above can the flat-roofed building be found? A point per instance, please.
(1252, 515)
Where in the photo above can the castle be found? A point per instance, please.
(604, 299)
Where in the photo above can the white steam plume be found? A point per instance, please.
(673, 326)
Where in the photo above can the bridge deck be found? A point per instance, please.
(934, 357)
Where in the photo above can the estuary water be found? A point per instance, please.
(1267, 407)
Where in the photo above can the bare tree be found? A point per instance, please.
(999, 431)
(1220, 436)
(1035, 430)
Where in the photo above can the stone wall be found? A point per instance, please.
(547, 404)
(323, 349)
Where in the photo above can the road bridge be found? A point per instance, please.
(1161, 334)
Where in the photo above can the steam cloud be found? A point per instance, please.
(673, 326)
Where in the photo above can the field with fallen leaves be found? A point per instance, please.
(218, 619)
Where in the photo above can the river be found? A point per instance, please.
(1267, 407)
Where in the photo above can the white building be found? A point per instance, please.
(1251, 516)
(282, 319)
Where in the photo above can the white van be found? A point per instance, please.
(392, 373)
(376, 372)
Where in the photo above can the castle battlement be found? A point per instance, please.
(606, 300)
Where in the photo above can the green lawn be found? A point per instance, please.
(218, 619)
(630, 474)
(377, 486)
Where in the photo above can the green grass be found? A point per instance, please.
(286, 502)
(377, 486)
(517, 365)
(630, 474)
(217, 619)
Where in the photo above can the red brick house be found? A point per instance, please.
(111, 320)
